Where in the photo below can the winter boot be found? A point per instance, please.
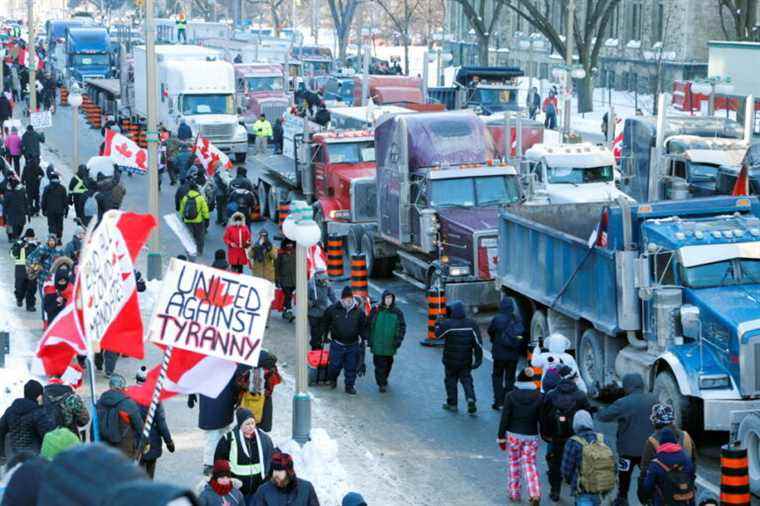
(450, 407)
(350, 390)
(471, 407)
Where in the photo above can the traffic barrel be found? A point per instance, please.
(142, 139)
(64, 96)
(125, 125)
(359, 273)
(256, 212)
(283, 210)
(335, 256)
(436, 299)
(134, 132)
(96, 118)
(734, 476)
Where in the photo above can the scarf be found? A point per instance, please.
(221, 490)
(260, 250)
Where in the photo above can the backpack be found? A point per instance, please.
(190, 212)
(562, 421)
(597, 472)
(678, 487)
(511, 337)
(55, 406)
(109, 424)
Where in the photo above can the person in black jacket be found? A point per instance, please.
(322, 117)
(462, 341)
(518, 432)
(507, 346)
(14, 208)
(54, 302)
(64, 406)
(80, 186)
(159, 432)
(30, 146)
(25, 423)
(25, 289)
(277, 136)
(119, 420)
(31, 177)
(284, 487)
(55, 205)
(559, 407)
(241, 180)
(347, 324)
(5, 106)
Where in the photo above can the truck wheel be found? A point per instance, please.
(240, 157)
(319, 218)
(591, 360)
(353, 243)
(539, 329)
(749, 438)
(369, 256)
(263, 198)
(667, 392)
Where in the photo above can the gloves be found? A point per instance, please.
(191, 401)
(362, 370)
(502, 444)
(170, 446)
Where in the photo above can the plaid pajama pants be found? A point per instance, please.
(522, 457)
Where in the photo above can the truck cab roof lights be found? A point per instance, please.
(755, 232)
(716, 234)
(680, 236)
(698, 234)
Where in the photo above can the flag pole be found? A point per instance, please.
(154, 402)
(94, 417)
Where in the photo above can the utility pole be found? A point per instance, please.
(31, 56)
(154, 253)
(315, 20)
(569, 62)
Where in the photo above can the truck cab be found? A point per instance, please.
(572, 173)
(486, 90)
(315, 60)
(390, 90)
(259, 90)
(88, 53)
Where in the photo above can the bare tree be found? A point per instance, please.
(475, 12)
(402, 14)
(343, 12)
(588, 33)
(275, 8)
(744, 16)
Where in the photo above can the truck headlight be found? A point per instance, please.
(241, 133)
(340, 214)
(459, 270)
(714, 381)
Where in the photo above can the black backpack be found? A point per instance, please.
(677, 487)
(110, 425)
(54, 407)
(562, 420)
(190, 212)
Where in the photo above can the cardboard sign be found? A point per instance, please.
(212, 312)
(40, 120)
(107, 277)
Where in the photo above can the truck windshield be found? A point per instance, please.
(469, 192)
(728, 272)
(81, 60)
(264, 83)
(351, 152)
(703, 172)
(494, 96)
(206, 104)
(577, 175)
(317, 68)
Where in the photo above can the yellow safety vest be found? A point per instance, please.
(262, 128)
(80, 186)
(240, 469)
(180, 24)
(21, 260)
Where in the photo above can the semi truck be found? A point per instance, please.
(437, 196)
(193, 84)
(260, 90)
(85, 53)
(487, 90)
(668, 290)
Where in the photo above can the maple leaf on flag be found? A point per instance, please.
(216, 295)
(124, 150)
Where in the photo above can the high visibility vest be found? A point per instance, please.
(21, 259)
(262, 128)
(181, 24)
(241, 469)
(80, 187)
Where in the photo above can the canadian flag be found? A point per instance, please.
(125, 153)
(741, 187)
(617, 140)
(599, 235)
(316, 260)
(61, 342)
(23, 59)
(188, 373)
(210, 156)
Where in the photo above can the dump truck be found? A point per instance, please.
(487, 90)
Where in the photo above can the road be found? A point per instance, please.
(400, 447)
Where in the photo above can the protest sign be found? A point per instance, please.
(212, 312)
(40, 120)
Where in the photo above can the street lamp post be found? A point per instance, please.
(300, 227)
(154, 252)
(75, 100)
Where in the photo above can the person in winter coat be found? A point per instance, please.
(462, 341)
(31, 177)
(55, 205)
(507, 347)
(220, 195)
(184, 132)
(6, 111)
(183, 160)
(13, 148)
(321, 297)
(241, 180)
(583, 427)
(284, 488)
(119, 420)
(219, 490)
(237, 237)
(533, 101)
(74, 246)
(634, 427)
(64, 406)
(220, 261)
(25, 423)
(14, 208)
(25, 289)
(387, 329)
(262, 256)
(261, 380)
(322, 117)
(249, 452)
(56, 300)
(195, 215)
(557, 412)
(518, 433)
(40, 261)
(277, 136)
(262, 129)
(347, 324)
(661, 484)
(285, 274)
(57, 441)
(79, 189)
(159, 432)
(30, 145)
(549, 107)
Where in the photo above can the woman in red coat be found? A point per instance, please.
(237, 237)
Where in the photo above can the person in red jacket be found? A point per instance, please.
(237, 237)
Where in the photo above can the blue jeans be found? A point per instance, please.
(344, 357)
(588, 500)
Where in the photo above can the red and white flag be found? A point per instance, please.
(125, 153)
(741, 187)
(23, 59)
(599, 235)
(188, 373)
(61, 342)
(211, 157)
(316, 260)
(617, 140)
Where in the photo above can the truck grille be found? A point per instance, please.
(749, 360)
(273, 111)
(753, 367)
(224, 131)
(363, 204)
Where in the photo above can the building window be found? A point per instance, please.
(634, 24)
(659, 21)
(518, 22)
(612, 24)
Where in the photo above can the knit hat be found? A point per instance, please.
(32, 390)
(53, 237)
(23, 487)
(241, 415)
(283, 462)
(566, 372)
(220, 254)
(57, 441)
(667, 436)
(662, 414)
(550, 380)
(141, 375)
(29, 234)
(526, 375)
(62, 276)
(346, 293)
(221, 468)
(582, 420)
(353, 499)
(117, 382)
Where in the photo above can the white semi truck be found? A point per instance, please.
(194, 84)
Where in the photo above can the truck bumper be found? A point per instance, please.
(473, 293)
(718, 411)
(232, 147)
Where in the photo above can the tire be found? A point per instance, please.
(240, 157)
(590, 358)
(261, 191)
(319, 218)
(749, 438)
(667, 392)
(539, 329)
(353, 243)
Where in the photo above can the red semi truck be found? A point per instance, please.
(259, 90)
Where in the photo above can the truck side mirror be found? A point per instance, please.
(690, 321)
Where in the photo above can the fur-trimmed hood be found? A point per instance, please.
(231, 221)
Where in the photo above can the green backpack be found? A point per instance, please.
(598, 473)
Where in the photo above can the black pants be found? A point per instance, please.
(383, 366)
(221, 210)
(16, 163)
(55, 224)
(25, 289)
(288, 302)
(316, 332)
(14, 232)
(503, 379)
(625, 470)
(236, 268)
(110, 358)
(198, 230)
(454, 376)
(149, 466)
(182, 35)
(79, 200)
(32, 198)
(554, 453)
